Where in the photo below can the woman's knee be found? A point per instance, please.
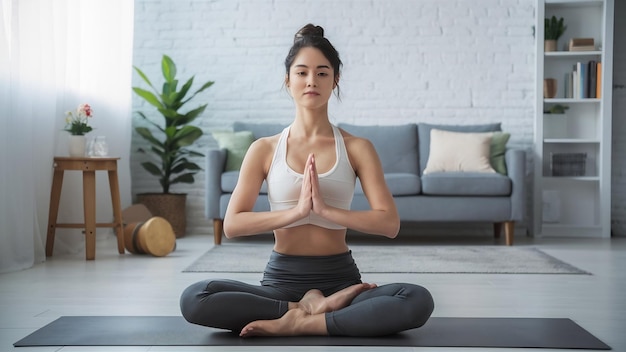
(189, 300)
(422, 305)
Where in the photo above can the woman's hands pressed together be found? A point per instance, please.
(310, 196)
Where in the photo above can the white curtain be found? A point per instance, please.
(55, 55)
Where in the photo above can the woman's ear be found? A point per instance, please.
(287, 80)
(336, 81)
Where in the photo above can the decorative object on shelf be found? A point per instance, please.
(581, 44)
(554, 29)
(568, 164)
(557, 109)
(171, 152)
(555, 124)
(549, 88)
(77, 124)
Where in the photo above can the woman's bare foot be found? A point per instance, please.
(294, 322)
(314, 302)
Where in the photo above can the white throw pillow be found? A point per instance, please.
(459, 152)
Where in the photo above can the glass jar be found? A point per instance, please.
(100, 148)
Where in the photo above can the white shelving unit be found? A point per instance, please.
(576, 205)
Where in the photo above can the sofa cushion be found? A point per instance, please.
(396, 145)
(259, 129)
(459, 151)
(399, 184)
(423, 131)
(236, 145)
(466, 184)
(498, 149)
(229, 181)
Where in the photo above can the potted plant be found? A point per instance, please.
(78, 126)
(555, 121)
(554, 29)
(169, 149)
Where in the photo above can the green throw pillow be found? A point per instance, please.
(498, 148)
(236, 145)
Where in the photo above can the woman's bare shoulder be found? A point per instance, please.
(261, 152)
(355, 142)
(264, 143)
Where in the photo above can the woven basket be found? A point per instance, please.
(170, 206)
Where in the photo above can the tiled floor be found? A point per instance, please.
(143, 285)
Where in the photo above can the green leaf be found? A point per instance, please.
(151, 168)
(183, 91)
(180, 167)
(193, 153)
(169, 68)
(147, 135)
(205, 86)
(191, 115)
(144, 77)
(148, 96)
(158, 151)
(169, 113)
(184, 178)
(186, 136)
(150, 121)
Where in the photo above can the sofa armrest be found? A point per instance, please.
(215, 163)
(516, 167)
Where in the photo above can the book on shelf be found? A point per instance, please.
(599, 80)
(591, 87)
(584, 81)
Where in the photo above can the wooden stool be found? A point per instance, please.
(88, 166)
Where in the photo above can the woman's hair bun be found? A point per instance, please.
(309, 30)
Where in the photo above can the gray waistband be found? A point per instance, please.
(294, 273)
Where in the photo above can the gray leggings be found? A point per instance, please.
(385, 310)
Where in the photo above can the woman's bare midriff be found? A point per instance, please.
(310, 240)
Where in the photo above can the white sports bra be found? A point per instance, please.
(336, 185)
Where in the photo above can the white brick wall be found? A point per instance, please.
(438, 61)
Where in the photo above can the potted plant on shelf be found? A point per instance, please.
(171, 156)
(555, 122)
(554, 29)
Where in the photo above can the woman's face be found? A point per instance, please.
(311, 78)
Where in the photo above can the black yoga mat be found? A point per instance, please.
(438, 332)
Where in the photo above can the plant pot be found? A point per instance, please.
(549, 45)
(170, 206)
(76, 148)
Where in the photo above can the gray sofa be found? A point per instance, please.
(404, 151)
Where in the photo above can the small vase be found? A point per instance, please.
(549, 88)
(549, 45)
(77, 146)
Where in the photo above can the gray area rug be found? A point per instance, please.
(238, 258)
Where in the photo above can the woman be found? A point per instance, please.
(311, 285)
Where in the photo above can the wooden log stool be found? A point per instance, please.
(88, 166)
(154, 236)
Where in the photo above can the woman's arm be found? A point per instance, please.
(382, 218)
(240, 220)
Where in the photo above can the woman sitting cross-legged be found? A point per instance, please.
(311, 284)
